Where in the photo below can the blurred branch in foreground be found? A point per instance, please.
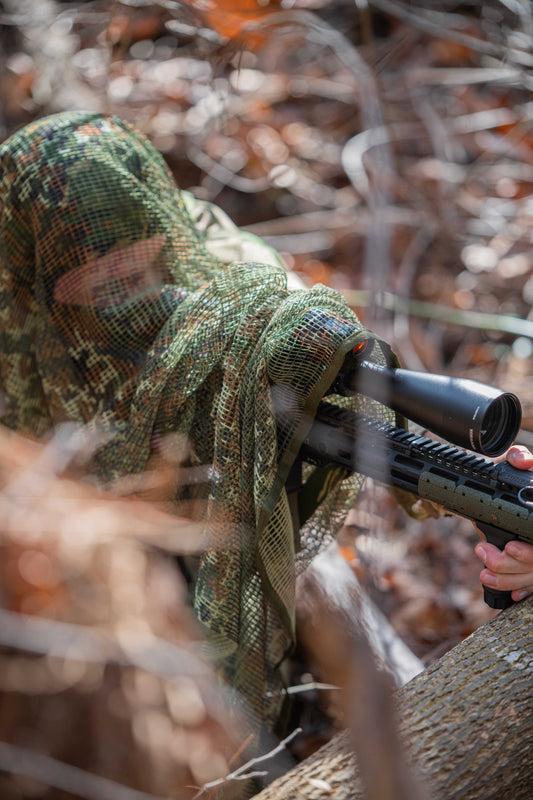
(103, 689)
(34, 504)
(352, 650)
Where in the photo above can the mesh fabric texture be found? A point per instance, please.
(116, 309)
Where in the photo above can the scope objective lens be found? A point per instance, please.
(500, 425)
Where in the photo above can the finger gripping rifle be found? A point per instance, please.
(496, 496)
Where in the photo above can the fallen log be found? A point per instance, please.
(329, 582)
(466, 721)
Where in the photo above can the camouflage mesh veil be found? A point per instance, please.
(114, 308)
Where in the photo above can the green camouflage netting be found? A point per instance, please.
(121, 305)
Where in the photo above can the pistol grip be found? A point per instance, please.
(494, 598)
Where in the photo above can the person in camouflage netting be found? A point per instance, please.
(121, 306)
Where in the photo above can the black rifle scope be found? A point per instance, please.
(464, 412)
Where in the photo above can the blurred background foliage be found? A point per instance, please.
(382, 146)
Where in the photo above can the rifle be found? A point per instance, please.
(497, 497)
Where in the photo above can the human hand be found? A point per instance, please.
(511, 569)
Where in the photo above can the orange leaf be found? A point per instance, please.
(230, 17)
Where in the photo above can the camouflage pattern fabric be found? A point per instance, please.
(119, 308)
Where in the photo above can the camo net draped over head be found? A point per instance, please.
(115, 308)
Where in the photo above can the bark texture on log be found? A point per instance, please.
(467, 721)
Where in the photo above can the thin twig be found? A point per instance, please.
(242, 773)
(437, 24)
(312, 686)
(503, 323)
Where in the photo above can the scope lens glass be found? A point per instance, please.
(500, 425)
